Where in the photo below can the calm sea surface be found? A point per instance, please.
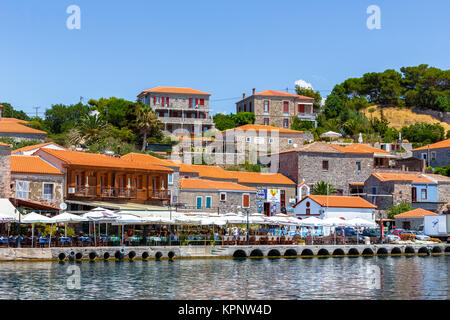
(404, 277)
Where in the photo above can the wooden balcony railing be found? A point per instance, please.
(119, 193)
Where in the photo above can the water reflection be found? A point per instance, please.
(401, 277)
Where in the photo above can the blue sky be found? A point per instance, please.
(222, 47)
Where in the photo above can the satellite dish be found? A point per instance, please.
(63, 206)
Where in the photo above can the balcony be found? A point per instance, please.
(172, 106)
(114, 193)
(307, 116)
(180, 120)
(160, 194)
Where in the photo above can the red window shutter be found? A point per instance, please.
(154, 100)
(190, 102)
(204, 115)
(246, 201)
(250, 107)
(196, 101)
(167, 100)
(286, 107)
(202, 102)
(268, 105)
(162, 101)
(301, 108)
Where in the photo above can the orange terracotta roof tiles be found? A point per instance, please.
(437, 145)
(17, 127)
(174, 90)
(275, 93)
(262, 178)
(416, 213)
(320, 147)
(260, 127)
(207, 171)
(4, 144)
(32, 164)
(203, 184)
(361, 148)
(341, 201)
(36, 146)
(101, 160)
(146, 158)
(413, 177)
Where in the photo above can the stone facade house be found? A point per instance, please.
(216, 196)
(5, 170)
(183, 111)
(425, 191)
(277, 108)
(436, 154)
(17, 130)
(35, 180)
(251, 141)
(319, 161)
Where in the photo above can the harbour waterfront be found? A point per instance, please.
(400, 277)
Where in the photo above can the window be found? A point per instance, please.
(424, 156)
(308, 211)
(170, 179)
(270, 140)
(266, 106)
(202, 102)
(433, 155)
(223, 196)
(266, 121)
(247, 139)
(325, 165)
(208, 201)
(424, 194)
(286, 106)
(250, 106)
(245, 201)
(358, 165)
(289, 141)
(286, 123)
(198, 202)
(301, 108)
(22, 189)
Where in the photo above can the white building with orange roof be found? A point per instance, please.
(341, 207)
(277, 108)
(183, 111)
(18, 130)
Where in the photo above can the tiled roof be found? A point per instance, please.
(11, 125)
(175, 90)
(203, 184)
(340, 201)
(437, 145)
(413, 177)
(416, 213)
(360, 148)
(274, 93)
(32, 164)
(146, 158)
(4, 144)
(320, 147)
(36, 146)
(207, 171)
(260, 127)
(101, 160)
(261, 178)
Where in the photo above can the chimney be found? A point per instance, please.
(253, 91)
(1, 111)
(243, 96)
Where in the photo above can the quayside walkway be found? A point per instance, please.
(187, 252)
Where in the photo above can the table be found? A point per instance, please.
(63, 240)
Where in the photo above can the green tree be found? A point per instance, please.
(147, 123)
(243, 118)
(323, 188)
(397, 209)
(10, 112)
(310, 93)
(423, 133)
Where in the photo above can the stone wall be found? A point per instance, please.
(5, 171)
(444, 192)
(19, 137)
(287, 164)
(342, 169)
(37, 186)
(441, 155)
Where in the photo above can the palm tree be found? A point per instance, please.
(323, 188)
(147, 122)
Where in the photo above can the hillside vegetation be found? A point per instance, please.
(402, 117)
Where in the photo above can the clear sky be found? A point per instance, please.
(222, 47)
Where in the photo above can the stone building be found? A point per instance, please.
(249, 142)
(412, 220)
(5, 170)
(319, 161)
(17, 130)
(436, 154)
(277, 108)
(425, 191)
(183, 111)
(35, 180)
(216, 196)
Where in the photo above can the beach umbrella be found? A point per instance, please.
(337, 222)
(100, 215)
(65, 218)
(358, 222)
(331, 135)
(124, 219)
(33, 218)
(314, 222)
